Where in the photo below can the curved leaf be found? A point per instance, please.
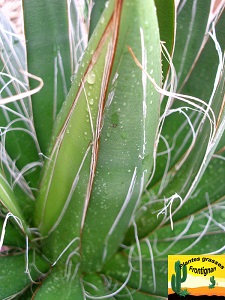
(48, 56)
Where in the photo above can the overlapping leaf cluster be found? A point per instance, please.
(112, 149)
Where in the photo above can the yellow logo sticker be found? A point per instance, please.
(196, 275)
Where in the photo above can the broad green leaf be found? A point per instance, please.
(101, 153)
(57, 286)
(73, 136)
(166, 21)
(191, 26)
(48, 56)
(126, 152)
(13, 272)
(19, 145)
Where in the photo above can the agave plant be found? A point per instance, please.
(112, 146)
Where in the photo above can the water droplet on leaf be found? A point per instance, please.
(91, 78)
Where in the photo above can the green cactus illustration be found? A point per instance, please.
(213, 282)
(176, 280)
(184, 293)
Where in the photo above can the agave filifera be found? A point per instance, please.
(118, 159)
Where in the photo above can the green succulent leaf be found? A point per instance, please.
(16, 275)
(144, 273)
(182, 173)
(57, 286)
(191, 27)
(210, 189)
(95, 286)
(166, 21)
(144, 265)
(192, 235)
(79, 120)
(166, 13)
(176, 129)
(11, 205)
(128, 165)
(96, 12)
(48, 56)
(131, 146)
(78, 18)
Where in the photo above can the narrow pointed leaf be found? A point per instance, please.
(8, 201)
(200, 233)
(18, 138)
(182, 179)
(167, 27)
(166, 21)
(78, 13)
(149, 276)
(48, 56)
(210, 189)
(96, 12)
(191, 27)
(176, 128)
